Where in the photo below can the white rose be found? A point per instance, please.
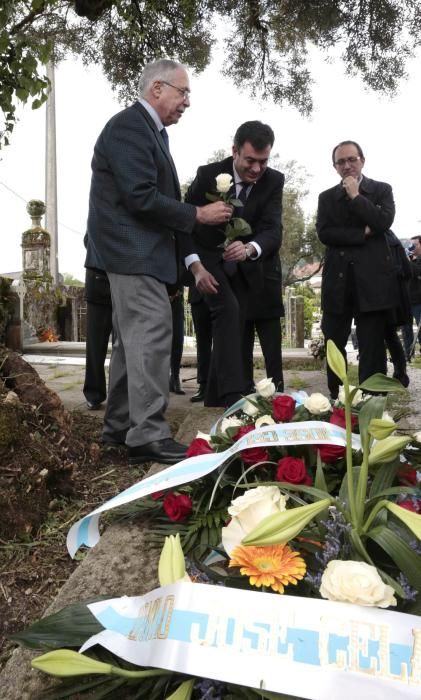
(223, 182)
(356, 582)
(357, 398)
(417, 436)
(230, 422)
(203, 436)
(317, 404)
(248, 511)
(249, 408)
(264, 420)
(265, 387)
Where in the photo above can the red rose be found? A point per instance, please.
(331, 453)
(407, 474)
(283, 408)
(198, 446)
(338, 418)
(413, 505)
(157, 495)
(177, 506)
(254, 455)
(293, 470)
(243, 431)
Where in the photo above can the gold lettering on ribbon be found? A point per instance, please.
(154, 620)
(415, 676)
(307, 434)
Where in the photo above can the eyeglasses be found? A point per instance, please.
(185, 92)
(343, 161)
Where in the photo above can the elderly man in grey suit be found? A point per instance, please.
(135, 217)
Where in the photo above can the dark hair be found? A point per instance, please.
(258, 134)
(416, 238)
(347, 143)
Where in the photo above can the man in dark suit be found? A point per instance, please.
(359, 279)
(202, 323)
(98, 327)
(225, 276)
(135, 215)
(264, 311)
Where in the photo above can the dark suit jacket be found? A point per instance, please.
(340, 226)
(263, 211)
(134, 208)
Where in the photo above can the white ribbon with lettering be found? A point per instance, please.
(304, 647)
(85, 531)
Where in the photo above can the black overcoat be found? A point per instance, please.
(341, 224)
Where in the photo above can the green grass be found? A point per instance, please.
(297, 383)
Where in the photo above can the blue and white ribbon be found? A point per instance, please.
(86, 532)
(303, 647)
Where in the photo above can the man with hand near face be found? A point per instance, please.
(224, 277)
(359, 280)
(135, 217)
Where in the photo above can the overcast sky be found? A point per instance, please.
(388, 131)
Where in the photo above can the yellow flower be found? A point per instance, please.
(273, 565)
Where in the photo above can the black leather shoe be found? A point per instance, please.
(166, 451)
(199, 395)
(402, 377)
(175, 386)
(93, 405)
(117, 439)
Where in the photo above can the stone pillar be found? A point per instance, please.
(294, 319)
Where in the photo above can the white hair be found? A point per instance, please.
(158, 70)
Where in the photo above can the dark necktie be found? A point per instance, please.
(164, 134)
(242, 195)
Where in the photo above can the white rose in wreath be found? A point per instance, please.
(356, 582)
(317, 404)
(223, 182)
(264, 420)
(248, 511)
(249, 408)
(230, 422)
(265, 387)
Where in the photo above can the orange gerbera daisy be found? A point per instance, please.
(272, 565)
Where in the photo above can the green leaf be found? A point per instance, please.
(336, 360)
(212, 197)
(395, 491)
(359, 547)
(319, 479)
(384, 478)
(379, 382)
(408, 561)
(283, 527)
(70, 627)
(388, 449)
(183, 691)
(343, 491)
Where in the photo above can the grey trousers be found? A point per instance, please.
(138, 391)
